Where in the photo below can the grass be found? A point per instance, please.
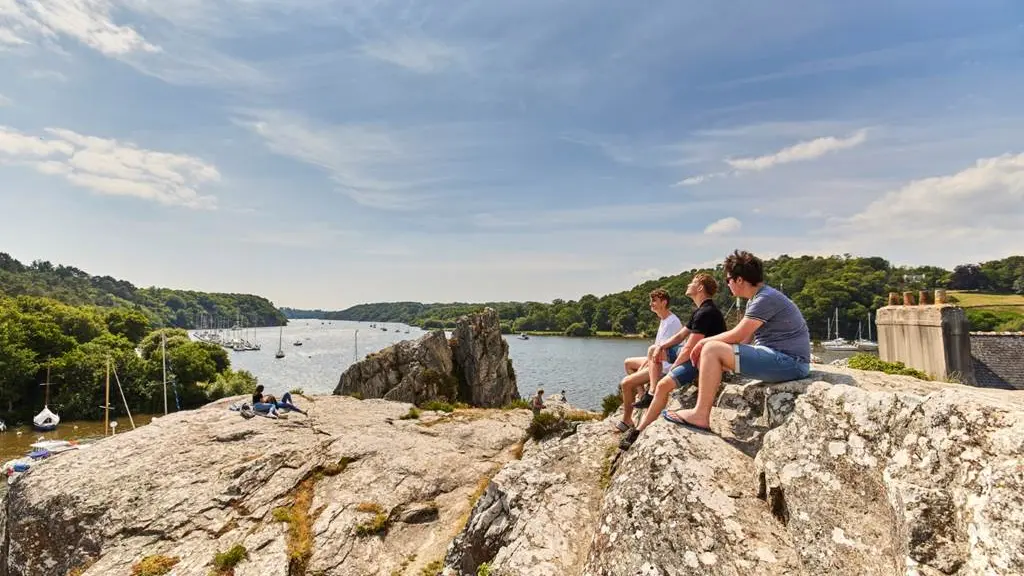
(296, 392)
(432, 569)
(369, 507)
(79, 570)
(300, 516)
(412, 414)
(224, 562)
(545, 424)
(1013, 302)
(876, 364)
(517, 404)
(155, 565)
(438, 406)
(582, 416)
(484, 570)
(606, 467)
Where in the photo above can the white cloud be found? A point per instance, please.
(5, 101)
(110, 167)
(421, 55)
(723, 226)
(88, 21)
(52, 75)
(986, 197)
(800, 152)
(649, 274)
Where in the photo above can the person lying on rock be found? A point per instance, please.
(705, 321)
(781, 347)
(269, 401)
(641, 370)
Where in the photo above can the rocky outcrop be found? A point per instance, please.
(353, 489)
(481, 358)
(410, 371)
(845, 472)
(473, 367)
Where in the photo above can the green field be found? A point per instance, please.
(1007, 302)
(992, 312)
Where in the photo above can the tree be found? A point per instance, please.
(1018, 286)
(578, 329)
(968, 277)
(132, 324)
(625, 322)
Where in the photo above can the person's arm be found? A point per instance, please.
(676, 338)
(684, 354)
(742, 332)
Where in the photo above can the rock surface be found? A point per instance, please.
(845, 473)
(195, 483)
(819, 499)
(473, 367)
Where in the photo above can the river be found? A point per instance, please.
(587, 369)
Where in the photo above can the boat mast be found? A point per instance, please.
(163, 352)
(106, 403)
(46, 401)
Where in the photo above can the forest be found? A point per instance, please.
(161, 306)
(819, 286)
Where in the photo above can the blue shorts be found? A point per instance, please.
(672, 353)
(684, 374)
(765, 364)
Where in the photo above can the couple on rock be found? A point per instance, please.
(771, 343)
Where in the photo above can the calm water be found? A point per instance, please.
(586, 368)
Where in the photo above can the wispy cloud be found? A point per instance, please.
(801, 152)
(87, 21)
(724, 226)
(5, 101)
(420, 55)
(49, 75)
(111, 167)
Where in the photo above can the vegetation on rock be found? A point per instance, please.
(224, 562)
(876, 364)
(155, 565)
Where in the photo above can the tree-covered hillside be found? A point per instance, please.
(162, 306)
(818, 285)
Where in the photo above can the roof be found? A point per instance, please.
(998, 359)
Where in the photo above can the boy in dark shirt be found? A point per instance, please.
(706, 321)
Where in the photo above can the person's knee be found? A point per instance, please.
(666, 384)
(715, 351)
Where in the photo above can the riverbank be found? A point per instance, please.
(17, 440)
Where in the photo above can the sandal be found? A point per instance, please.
(622, 426)
(629, 439)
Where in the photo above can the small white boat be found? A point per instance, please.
(45, 421)
(866, 345)
(55, 446)
(838, 344)
(524, 336)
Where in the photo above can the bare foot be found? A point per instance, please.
(692, 417)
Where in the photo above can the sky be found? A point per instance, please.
(325, 153)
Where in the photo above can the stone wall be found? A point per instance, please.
(998, 359)
(933, 339)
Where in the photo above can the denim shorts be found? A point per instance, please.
(672, 353)
(684, 374)
(765, 364)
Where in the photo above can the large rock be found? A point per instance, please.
(481, 359)
(820, 498)
(410, 371)
(882, 482)
(195, 483)
(473, 367)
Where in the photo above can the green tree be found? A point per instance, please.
(132, 324)
(625, 322)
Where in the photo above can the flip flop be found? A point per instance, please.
(680, 422)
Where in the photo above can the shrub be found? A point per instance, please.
(412, 414)
(578, 329)
(610, 403)
(154, 565)
(517, 404)
(282, 514)
(432, 569)
(225, 562)
(297, 391)
(484, 570)
(438, 406)
(876, 364)
(546, 424)
(378, 524)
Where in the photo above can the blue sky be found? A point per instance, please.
(325, 153)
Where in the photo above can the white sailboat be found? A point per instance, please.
(868, 345)
(280, 341)
(46, 420)
(838, 344)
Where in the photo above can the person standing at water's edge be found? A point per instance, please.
(781, 347)
(638, 370)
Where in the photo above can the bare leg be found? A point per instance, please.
(634, 364)
(630, 384)
(654, 370)
(715, 358)
(662, 391)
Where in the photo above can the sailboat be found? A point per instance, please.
(280, 341)
(868, 345)
(838, 344)
(46, 420)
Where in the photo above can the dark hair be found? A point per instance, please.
(708, 282)
(661, 294)
(259, 387)
(743, 264)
